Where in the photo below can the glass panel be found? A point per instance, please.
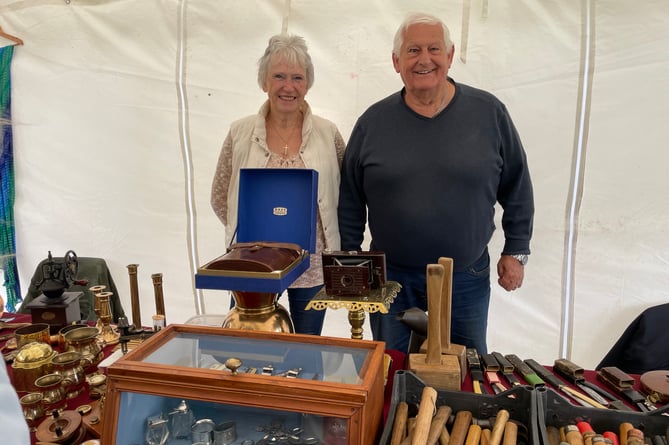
(156, 420)
(292, 359)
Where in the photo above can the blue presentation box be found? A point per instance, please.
(275, 204)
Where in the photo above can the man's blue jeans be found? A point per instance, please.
(469, 307)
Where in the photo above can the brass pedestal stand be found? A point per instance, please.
(378, 300)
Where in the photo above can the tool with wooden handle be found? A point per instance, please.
(498, 428)
(438, 370)
(400, 423)
(424, 417)
(438, 424)
(446, 299)
(460, 428)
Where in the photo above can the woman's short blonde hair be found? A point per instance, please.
(292, 49)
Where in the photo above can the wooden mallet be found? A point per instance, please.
(448, 348)
(438, 370)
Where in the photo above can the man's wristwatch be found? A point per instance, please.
(522, 258)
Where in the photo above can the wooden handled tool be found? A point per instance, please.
(435, 278)
(438, 424)
(434, 368)
(498, 428)
(446, 302)
(473, 435)
(424, 417)
(400, 423)
(510, 434)
(460, 427)
(447, 347)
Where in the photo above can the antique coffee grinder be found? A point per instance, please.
(55, 306)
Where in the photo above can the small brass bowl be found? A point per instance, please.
(38, 332)
(62, 344)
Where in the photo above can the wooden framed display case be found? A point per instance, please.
(189, 384)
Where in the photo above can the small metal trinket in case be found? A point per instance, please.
(181, 420)
(202, 431)
(157, 431)
(268, 370)
(293, 373)
(225, 433)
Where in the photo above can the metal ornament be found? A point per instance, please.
(157, 430)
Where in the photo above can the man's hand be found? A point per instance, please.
(510, 273)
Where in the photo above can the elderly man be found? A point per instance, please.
(426, 166)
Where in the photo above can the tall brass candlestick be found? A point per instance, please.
(96, 304)
(158, 291)
(134, 296)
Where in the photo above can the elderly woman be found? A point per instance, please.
(285, 134)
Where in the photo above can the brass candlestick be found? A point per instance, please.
(107, 333)
(134, 296)
(96, 305)
(158, 291)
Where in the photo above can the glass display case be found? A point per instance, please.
(192, 384)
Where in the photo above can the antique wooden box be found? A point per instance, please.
(276, 388)
(277, 205)
(56, 312)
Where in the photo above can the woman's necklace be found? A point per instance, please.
(285, 142)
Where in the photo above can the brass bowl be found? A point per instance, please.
(85, 341)
(32, 361)
(69, 365)
(38, 332)
(61, 334)
(53, 392)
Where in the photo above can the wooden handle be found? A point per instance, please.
(435, 278)
(473, 435)
(400, 423)
(424, 417)
(573, 435)
(624, 428)
(446, 301)
(485, 436)
(444, 437)
(510, 434)
(438, 423)
(498, 427)
(460, 427)
(411, 425)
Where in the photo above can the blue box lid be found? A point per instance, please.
(278, 204)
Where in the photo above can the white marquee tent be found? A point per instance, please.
(120, 107)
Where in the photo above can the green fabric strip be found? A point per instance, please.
(7, 227)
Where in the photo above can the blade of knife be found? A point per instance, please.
(548, 376)
(579, 382)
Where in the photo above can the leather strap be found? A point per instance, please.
(265, 244)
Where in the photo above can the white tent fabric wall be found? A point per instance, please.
(100, 165)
